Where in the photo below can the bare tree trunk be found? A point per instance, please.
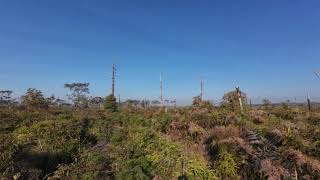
(309, 103)
(113, 78)
(240, 100)
(201, 90)
(161, 90)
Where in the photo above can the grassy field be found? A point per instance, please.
(201, 141)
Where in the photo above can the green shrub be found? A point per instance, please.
(8, 120)
(217, 118)
(8, 149)
(145, 153)
(161, 123)
(92, 164)
(135, 168)
(227, 166)
(110, 103)
(51, 136)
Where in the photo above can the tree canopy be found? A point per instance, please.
(79, 92)
(34, 99)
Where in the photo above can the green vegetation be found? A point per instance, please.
(42, 138)
(111, 103)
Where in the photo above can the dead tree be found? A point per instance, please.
(309, 103)
(201, 89)
(113, 78)
(239, 96)
(161, 90)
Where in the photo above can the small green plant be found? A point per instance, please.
(162, 122)
(289, 132)
(8, 149)
(227, 167)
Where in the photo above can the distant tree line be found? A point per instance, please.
(78, 98)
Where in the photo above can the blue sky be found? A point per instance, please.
(269, 48)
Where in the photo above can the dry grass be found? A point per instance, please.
(258, 116)
(196, 132)
(239, 145)
(273, 170)
(225, 132)
(177, 131)
(305, 164)
(276, 137)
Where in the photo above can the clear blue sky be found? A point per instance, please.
(269, 48)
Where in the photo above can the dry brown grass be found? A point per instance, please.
(276, 137)
(177, 130)
(232, 119)
(225, 132)
(258, 116)
(273, 170)
(305, 164)
(239, 145)
(196, 132)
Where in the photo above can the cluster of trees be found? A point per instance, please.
(5, 97)
(79, 97)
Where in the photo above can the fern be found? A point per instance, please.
(227, 166)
